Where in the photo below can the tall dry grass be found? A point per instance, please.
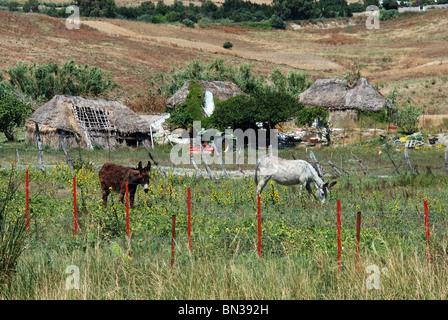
(105, 276)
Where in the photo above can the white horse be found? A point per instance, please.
(290, 172)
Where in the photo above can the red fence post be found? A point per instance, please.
(339, 235)
(173, 236)
(127, 209)
(358, 234)
(189, 219)
(259, 226)
(74, 204)
(27, 202)
(427, 230)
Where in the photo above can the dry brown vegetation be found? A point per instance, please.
(408, 53)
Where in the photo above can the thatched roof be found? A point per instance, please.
(220, 89)
(66, 113)
(333, 94)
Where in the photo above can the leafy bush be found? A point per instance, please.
(216, 70)
(172, 16)
(377, 116)
(32, 5)
(13, 6)
(277, 22)
(188, 23)
(407, 119)
(243, 112)
(12, 115)
(45, 81)
(306, 116)
(145, 18)
(191, 110)
(356, 7)
(97, 8)
(294, 83)
(388, 14)
(12, 231)
(158, 18)
(390, 4)
(237, 112)
(227, 45)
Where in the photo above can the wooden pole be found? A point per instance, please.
(39, 149)
(67, 155)
(358, 234)
(446, 159)
(173, 236)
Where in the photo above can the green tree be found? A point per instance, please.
(172, 16)
(334, 8)
(371, 3)
(268, 107)
(97, 8)
(407, 119)
(277, 22)
(390, 4)
(13, 113)
(31, 5)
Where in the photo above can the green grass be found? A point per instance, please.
(299, 235)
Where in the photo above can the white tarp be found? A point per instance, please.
(209, 105)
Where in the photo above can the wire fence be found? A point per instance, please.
(382, 217)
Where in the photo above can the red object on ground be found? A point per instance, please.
(197, 150)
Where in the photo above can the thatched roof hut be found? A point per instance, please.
(220, 89)
(95, 121)
(343, 102)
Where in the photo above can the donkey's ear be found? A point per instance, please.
(332, 184)
(148, 166)
(140, 166)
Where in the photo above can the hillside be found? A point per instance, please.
(409, 53)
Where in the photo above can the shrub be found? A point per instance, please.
(188, 23)
(190, 110)
(13, 6)
(172, 16)
(12, 115)
(32, 5)
(306, 116)
(356, 7)
(97, 8)
(227, 45)
(12, 232)
(268, 107)
(158, 18)
(205, 22)
(388, 14)
(407, 119)
(145, 18)
(390, 4)
(277, 22)
(45, 81)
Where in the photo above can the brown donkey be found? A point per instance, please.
(115, 176)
